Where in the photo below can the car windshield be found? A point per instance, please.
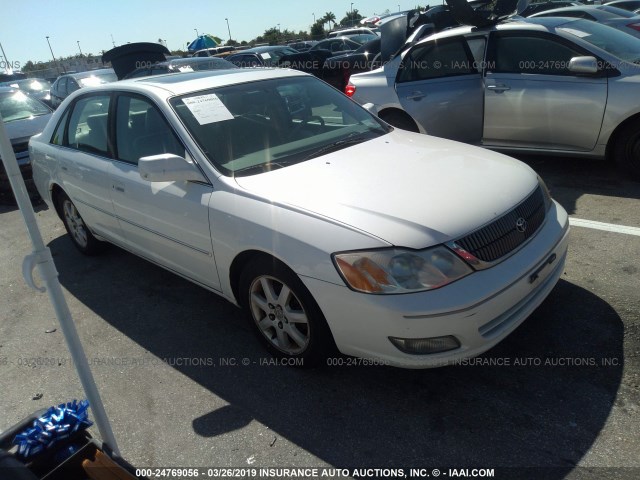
(615, 42)
(31, 85)
(94, 80)
(19, 106)
(272, 57)
(260, 126)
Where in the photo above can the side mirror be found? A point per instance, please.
(583, 65)
(371, 108)
(168, 167)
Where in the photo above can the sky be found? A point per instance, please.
(26, 23)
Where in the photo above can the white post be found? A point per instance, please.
(41, 257)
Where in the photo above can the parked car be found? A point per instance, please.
(538, 7)
(546, 85)
(210, 52)
(623, 20)
(625, 4)
(303, 45)
(347, 32)
(38, 88)
(67, 84)
(23, 116)
(340, 45)
(327, 226)
(363, 59)
(181, 65)
(266, 56)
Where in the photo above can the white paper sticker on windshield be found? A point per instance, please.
(207, 109)
(265, 56)
(186, 68)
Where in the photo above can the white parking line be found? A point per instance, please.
(609, 227)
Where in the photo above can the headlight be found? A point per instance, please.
(545, 193)
(395, 270)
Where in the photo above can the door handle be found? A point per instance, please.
(499, 87)
(415, 96)
(49, 157)
(118, 187)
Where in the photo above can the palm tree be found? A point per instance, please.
(329, 17)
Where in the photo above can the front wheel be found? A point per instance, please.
(627, 149)
(283, 313)
(80, 234)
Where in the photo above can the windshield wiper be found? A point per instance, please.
(351, 139)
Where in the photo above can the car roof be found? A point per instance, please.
(540, 24)
(266, 48)
(90, 73)
(179, 84)
(8, 89)
(604, 10)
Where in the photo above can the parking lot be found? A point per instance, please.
(186, 384)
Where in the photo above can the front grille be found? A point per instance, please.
(502, 236)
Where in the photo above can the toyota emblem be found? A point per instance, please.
(521, 225)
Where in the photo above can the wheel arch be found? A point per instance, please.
(613, 138)
(239, 263)
(56, 191)
(388, 111)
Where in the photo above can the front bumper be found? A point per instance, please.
(479, 310)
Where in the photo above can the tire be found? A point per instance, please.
(283, 314)
(627, 149)
(79, 233)
(400, 120)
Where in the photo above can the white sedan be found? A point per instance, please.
(326, 225)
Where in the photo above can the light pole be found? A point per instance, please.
(398, 7)
(314, 17)
(78, 41)
(197, 34)
(228, 29)
(53, 56)
(113, 41)
(352, 14)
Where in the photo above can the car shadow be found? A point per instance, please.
(539, 398)
(569, 178)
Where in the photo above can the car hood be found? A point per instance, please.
(21, 130)
(407, 189)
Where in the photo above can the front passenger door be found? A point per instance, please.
(166, 222)
(532, 100)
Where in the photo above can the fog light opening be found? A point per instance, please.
(422, 346)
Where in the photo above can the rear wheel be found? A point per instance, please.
(82, 238)
(627, 149)
(400, 120)
(283, 313)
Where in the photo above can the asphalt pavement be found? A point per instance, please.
(186, 384)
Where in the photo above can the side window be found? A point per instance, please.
(141, 130)
(88, 125)
(530, 54)
(437, 59)
(72, 85)
(62, 86)
(58, 135)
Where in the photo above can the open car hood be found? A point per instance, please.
(399, 30)
(126, 58)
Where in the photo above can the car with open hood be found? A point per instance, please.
(330, 228)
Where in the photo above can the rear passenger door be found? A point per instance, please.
(166, 222)
(440, 85)
(82, 153)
